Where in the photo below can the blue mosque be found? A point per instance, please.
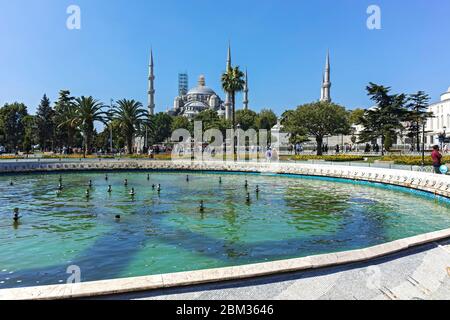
(191, 102)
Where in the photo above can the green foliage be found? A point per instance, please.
(246, 119)
(418, 115)
(65, 130)
(30, 127)
(334, 158)
(356, 115)
(45, 124)
(87, 112)
(412, 160)
(318, 119)
(180, 122)
(232, 82)
(12, 123)
(266, 119)
(161, 125)
(130, 116)
(386, 118)
(209, 118)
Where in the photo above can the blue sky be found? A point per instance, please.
(283, 44)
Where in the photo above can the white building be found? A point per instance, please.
(440, 121)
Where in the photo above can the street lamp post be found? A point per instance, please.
(110, 130)
(238, 137)
(423, 144)
(146, 138)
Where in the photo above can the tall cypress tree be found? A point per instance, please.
(385, 120)
(65, 109)
(418, 115)
(45, 124)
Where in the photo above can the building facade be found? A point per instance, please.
(440, 122)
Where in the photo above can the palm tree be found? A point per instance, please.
(232, 82)
(65, 111)
(130, 116)
(87, 112)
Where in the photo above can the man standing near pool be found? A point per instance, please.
(436, 156)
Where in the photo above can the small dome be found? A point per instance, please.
(446, 96)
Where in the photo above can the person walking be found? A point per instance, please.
(436, 156)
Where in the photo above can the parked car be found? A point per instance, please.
(2, 150)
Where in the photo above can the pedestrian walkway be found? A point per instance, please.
(418, 273)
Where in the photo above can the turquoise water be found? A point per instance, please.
(166, 232)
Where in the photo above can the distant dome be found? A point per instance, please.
(201, 88)
(446, 95)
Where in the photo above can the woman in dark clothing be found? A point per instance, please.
(436, 156)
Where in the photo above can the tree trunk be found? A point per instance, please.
(319, 141)
(382, 144)
(418, 137)
(70, 137)
(88, 143)
(130, 145)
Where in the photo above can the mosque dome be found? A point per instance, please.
(446, 95)
(201, 88)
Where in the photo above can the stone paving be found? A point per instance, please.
(418, 273)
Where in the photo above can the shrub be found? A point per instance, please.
(335, 158)
(412, 160)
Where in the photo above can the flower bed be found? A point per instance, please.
(412, 160)
(334, 158)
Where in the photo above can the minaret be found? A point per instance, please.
(326, 83)
(229, 57)
(245, 102)
(228, 104)
(151, 87)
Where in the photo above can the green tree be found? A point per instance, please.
(356, 115)
(418, 105)
(45, 124)
(297, 134)
(161, 125)
(318, 119)
(130, 115)
(65, 111)
(385, 119)
(266, 119)
(246, 119)
(232, 82)
(209, 119)
(12, 123)
(180, 122)
(30, 129)
(87, 112)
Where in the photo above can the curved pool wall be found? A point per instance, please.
(423, 181)
(424, 184)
